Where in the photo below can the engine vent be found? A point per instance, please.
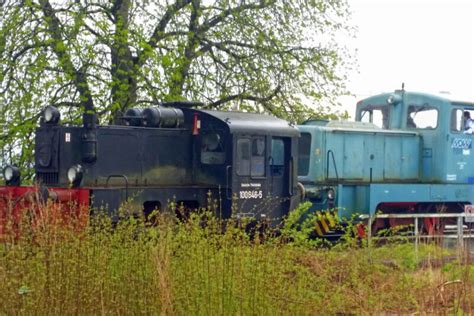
(48, 178)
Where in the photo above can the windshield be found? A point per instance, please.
(376, 114)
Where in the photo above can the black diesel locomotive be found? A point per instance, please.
(245, 161)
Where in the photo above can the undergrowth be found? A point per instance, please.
(207, 266)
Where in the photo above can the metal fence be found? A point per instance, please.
(460, 235)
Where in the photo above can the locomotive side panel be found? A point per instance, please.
(362, 156)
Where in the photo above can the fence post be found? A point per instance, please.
(417, 233)
(460, 235)
(369, 231)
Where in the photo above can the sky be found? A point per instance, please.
(428, 45)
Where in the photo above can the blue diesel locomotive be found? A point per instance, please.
(405, 152)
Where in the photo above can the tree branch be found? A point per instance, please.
(159, 31)
(242, 97)
(59, 48)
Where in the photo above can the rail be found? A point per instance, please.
(460, 229)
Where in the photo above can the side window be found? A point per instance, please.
(466, 120)
(212, 148)
(304, 150)
(250, 156)
(422, 117)
(277, 161)
(457, 120)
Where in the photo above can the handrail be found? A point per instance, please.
(119, 176)
(228, 179)
(291, 174)
(334, 164)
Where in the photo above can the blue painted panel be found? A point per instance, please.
(353, 165)
(411, 148)
(392, 158)
(352, 199)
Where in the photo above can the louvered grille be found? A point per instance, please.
(48, 178)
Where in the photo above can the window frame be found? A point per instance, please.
(307, 154)
(222, 144)
(371, 108)
(429, 107)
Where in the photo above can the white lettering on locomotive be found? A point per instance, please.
(251, 185)
(248, 194)
(461, 143)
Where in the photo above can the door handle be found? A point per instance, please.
(290, 180)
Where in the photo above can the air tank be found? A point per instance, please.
(162, 117)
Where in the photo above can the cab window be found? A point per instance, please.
(304, 150)
(376, 114)
(250, 156)
(457, 121)
(212, 148)
(422, 117)
(277, 160)
(258, 157)
(462, 121)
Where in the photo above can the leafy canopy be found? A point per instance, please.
(274, 56)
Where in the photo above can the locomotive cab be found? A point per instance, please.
(252, 158)
(445, 147)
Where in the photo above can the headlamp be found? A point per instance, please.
(74, 175)
(11, 174)
(331, 194)
(394, 99)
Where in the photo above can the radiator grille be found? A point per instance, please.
(48, 178)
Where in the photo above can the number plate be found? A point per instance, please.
(248, 194)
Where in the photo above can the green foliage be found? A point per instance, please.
(275, 56)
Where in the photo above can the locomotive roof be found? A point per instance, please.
(434, 96)
(243, 122)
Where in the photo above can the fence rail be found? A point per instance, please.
(461, 231)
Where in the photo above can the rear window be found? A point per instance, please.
(304, 150)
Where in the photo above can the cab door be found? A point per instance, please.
(281, 176)
(249, 176)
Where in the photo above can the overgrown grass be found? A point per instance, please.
(209, 267)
